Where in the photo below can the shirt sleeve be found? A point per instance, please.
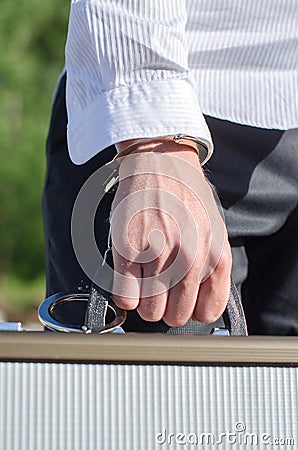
(127, 75)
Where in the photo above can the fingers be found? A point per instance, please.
(143, 287)
(177, 304)
(181, 302)
(204, 302)
(152, 309)
(214, 292)
(126, 283)
(154, 294)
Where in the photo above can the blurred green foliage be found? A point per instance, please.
(32, 39)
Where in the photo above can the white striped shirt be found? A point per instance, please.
(143, 68)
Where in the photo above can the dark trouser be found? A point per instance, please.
(255, 172)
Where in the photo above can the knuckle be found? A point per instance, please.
(151, 309)
(125, 303)
(207, 316)
(225, 261)
(149, 316)
(175, 321)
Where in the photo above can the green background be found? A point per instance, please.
(32, 40)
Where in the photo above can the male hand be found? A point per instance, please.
(172, 258)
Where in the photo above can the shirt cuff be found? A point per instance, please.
(156, 108)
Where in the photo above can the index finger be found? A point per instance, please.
(126, 283)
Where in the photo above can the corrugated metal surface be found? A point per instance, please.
(45, 406)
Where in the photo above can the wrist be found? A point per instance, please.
(174, 144)
(151, 156)
(156, 146)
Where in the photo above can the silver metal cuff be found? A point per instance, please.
(199, 146)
